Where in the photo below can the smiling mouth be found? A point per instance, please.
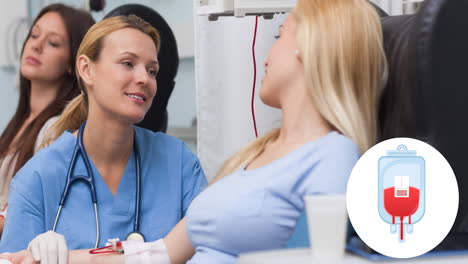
(138, 97)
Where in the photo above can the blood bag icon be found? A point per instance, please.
(401, 190)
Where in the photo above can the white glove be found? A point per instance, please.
(148, 253)
(49, 248)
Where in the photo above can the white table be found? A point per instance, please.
(302, 256)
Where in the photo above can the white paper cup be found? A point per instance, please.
(327, 222)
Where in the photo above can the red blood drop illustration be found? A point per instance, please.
(401, 206)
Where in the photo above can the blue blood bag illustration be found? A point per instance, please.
(401, 189)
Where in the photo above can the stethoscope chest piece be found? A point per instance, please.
(135, 236)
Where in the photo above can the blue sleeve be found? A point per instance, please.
(25, 216)
(194, 180)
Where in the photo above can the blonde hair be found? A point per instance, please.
(341, 47)
(76, 111)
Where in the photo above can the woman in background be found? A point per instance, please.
(47, 83)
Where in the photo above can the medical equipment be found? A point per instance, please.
(267, 8)
(145, 252)
(401, 189)
(241, 8)
(136, 251)
(113, 245)
(79, 147)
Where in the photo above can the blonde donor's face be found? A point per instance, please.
(282, 67)
(122, 82)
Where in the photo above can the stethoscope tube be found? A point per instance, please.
(135, 234)
(79, 147)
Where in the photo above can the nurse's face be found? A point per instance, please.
(46, 54)
(124, 77)
(282, 66)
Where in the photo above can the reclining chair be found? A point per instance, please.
(426, 96)
(426, 93)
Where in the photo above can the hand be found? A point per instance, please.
(21, 257)
(50, 248)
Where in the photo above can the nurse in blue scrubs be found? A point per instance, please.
(117, 66)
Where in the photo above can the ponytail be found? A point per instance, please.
(74, 114)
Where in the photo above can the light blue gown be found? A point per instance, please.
(258, 209)
(171, 178)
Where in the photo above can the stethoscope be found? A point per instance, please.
(79, 147)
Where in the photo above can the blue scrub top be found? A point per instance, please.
(171, 178)
(252, 210)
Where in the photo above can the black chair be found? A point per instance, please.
(157, 118)
(396, 111)
(444, 38)
(426, 93)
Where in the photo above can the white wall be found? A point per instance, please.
(224, 72)
(181, 107)
(9, 97)
(12, 14)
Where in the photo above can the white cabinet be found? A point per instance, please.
(242, 8)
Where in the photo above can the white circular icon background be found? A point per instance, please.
(440, 201)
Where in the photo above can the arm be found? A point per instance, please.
(175, 248)
(21, 257)
(75, 257)
(83, 256)
(178, 245)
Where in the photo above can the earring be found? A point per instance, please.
(296, 52)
